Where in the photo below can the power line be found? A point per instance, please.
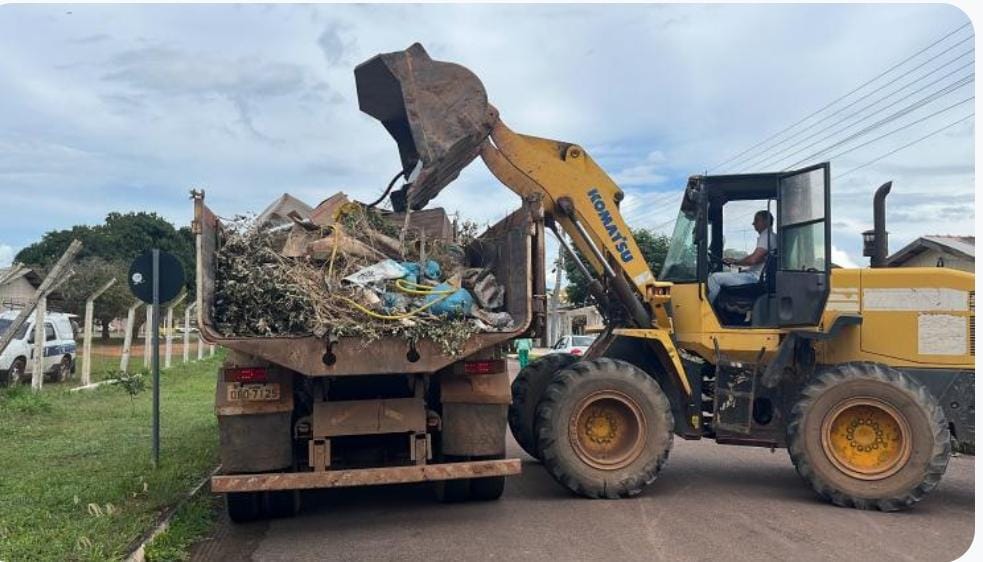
(758, 163)
(878, 124)
(900, 148)
(643, 201)
(867, 95)
(644, 211)
(837, 100)
(903, 127)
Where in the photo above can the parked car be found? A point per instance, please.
(59, 348)
(576, 345)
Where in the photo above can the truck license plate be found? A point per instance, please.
(238, 392)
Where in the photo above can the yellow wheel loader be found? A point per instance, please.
(864, 375)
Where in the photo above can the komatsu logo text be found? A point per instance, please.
(620, 244)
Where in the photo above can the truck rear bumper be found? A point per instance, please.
(363, 476)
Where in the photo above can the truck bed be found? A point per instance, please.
(511, 249)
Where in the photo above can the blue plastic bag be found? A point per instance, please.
(432, 270)
(457, 304)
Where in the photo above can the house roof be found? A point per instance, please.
(278, 210)
(434, 222)
(962, 246)
(32, 277)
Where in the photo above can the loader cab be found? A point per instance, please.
(714, 223)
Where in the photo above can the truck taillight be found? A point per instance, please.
(245, 374)
(576, 351)
(484, 367)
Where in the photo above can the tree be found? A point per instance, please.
(90, 274)
(107, 250)
(654, 249)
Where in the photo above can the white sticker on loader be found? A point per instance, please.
(942, 334)
(911, 298)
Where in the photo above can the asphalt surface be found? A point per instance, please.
(711, 502)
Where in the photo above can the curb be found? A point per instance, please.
(138, 553)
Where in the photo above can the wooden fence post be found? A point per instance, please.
(211, 350)
(41, 291)
(201, 345)
(131, 313)
(169, 326)
(87, 338)
(147, 328)
(40, 312)
(187, 332)
(37, 355)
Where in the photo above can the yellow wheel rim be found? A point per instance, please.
(607, 430)
(866, 438)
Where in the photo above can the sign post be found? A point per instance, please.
(155, 276)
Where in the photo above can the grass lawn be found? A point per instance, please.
(76, 482)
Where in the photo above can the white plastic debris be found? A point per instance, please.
(382, 271)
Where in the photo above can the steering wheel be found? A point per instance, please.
(715, 263)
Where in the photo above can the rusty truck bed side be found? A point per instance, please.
(511, 249)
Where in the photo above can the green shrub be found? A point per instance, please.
(23, 400)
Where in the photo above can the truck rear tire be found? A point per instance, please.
(281, 503)
(605, 428)
(470, 489)
(866, 436)
(487, 489)
(527, 390)
(243, 507)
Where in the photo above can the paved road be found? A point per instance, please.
(712, 502)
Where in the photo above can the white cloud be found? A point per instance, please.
(6, 255)
(841, 258)
(127, 107)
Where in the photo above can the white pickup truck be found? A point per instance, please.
(59, 348)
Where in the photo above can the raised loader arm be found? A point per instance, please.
(440, 117)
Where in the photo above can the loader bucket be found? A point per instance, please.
(438, 113)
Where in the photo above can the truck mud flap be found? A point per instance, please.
(363, 476)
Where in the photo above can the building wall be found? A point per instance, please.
(929, 258)
(15, 294)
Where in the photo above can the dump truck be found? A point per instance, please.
(302, 412)
(866, 376)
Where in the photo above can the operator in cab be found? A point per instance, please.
(753, 262)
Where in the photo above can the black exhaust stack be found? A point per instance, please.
(875, 241)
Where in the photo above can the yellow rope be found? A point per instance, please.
(418, 289)
(374, 314)
(402, 284)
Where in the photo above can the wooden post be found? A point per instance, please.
(41, 291)
(131, 314)
(87, 338)
(201, 345)
(187, 332)
(211, 350)
(146, 336)
(169, 326)
(37, 356)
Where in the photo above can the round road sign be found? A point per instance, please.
(141, 277)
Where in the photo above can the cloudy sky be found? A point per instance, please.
(121, 108)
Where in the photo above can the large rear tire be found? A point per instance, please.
(527, 389)
(243, 507)
(866, 436)
(470, 489)
(604, 428)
